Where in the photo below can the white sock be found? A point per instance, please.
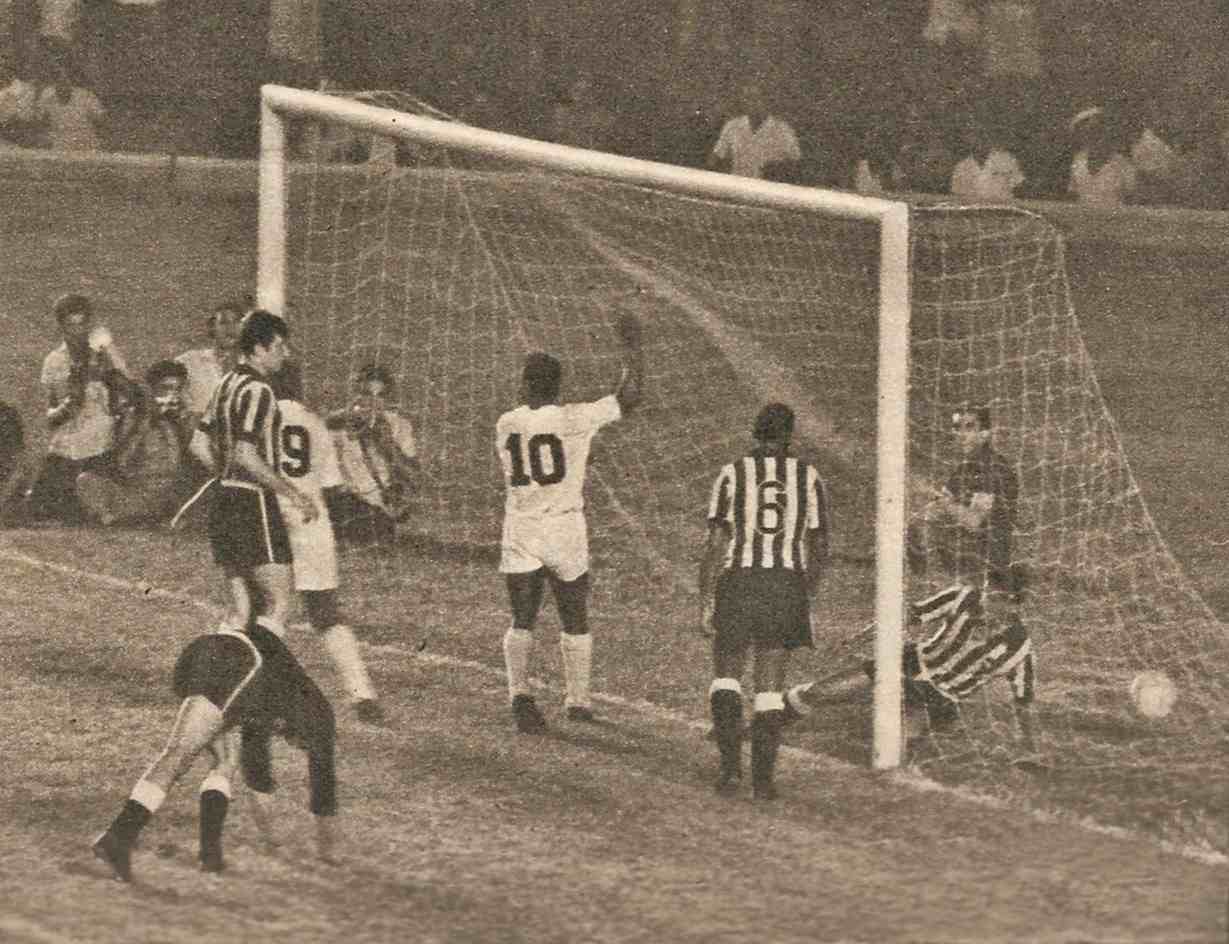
(342, 648)
(518, 645)
(577, 652)
(148, 794)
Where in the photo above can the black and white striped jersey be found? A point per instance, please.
(243, 408)
(961, 650)
(769, 502)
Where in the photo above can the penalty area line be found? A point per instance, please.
(909, 779)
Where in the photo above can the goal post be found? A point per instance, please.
(892, 219)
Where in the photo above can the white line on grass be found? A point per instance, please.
(910, 779)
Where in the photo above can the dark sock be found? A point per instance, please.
(131, 820)
(727, 709)
(765, 739)
(214, 804)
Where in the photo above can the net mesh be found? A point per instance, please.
(448, 268)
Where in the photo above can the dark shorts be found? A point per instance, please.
(765, 608)
(252, 677)
(223, 667)
(246, 529)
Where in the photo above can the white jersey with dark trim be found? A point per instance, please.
(962, 651)
(769, 503)
(544, 453)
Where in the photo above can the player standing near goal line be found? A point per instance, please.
(242, 673)
(544, 449)
(309, 460)
(767, 541)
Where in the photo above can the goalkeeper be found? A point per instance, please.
(969, 637)
(967, 527)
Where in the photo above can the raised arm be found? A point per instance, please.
(631, 383)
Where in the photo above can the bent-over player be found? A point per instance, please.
(543, 446)
(767, 541)
(226, 679)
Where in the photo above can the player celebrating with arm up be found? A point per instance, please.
(543, 446)
(768, 535)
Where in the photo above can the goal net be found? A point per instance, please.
(446, 259)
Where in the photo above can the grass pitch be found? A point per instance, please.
(455, 828)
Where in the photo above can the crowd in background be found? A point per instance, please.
(1105, 103)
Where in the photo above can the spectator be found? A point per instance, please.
(876, 171)
(989, 172)
(756, 143)
(149, 477)
(70, 114)
(1101, 173)
(207, 365)
(581, 119)
(19, 112)
(89, 395)
(378, 457)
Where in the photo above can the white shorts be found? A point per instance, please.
(313, 550)
(559, 543)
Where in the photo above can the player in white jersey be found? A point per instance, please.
(309, 460)
(543, 446)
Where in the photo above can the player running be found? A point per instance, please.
(544, 449)
(767, 541)
(309, 460)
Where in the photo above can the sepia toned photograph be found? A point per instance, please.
(614, 471)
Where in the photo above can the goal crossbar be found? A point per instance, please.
(891, 217)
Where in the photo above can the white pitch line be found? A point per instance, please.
(910, 779)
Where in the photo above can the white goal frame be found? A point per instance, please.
(892, 218)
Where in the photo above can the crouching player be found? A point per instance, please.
(232, 678)
(309, 461)
(970, 636)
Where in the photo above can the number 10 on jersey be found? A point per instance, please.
(542, 454)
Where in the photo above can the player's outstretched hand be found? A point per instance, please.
(629, 329)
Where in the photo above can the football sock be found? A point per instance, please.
(518, 645)
(215, 800)
(766, 736)
(577, 652)
(725, 698)
(142, 803)
(342, 647)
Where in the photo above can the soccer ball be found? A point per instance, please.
(1153, 694)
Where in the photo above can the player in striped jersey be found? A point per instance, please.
(239, 440)
(967, 637)
(543, 446)
(768, 535)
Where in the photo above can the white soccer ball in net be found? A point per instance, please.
(1153, 694)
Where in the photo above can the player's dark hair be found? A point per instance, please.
(161, 370)
(377, 373)
(260, 327)
(287, 383)
(71, 304)
(542, 376)
(775, 422)
(235, 307)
